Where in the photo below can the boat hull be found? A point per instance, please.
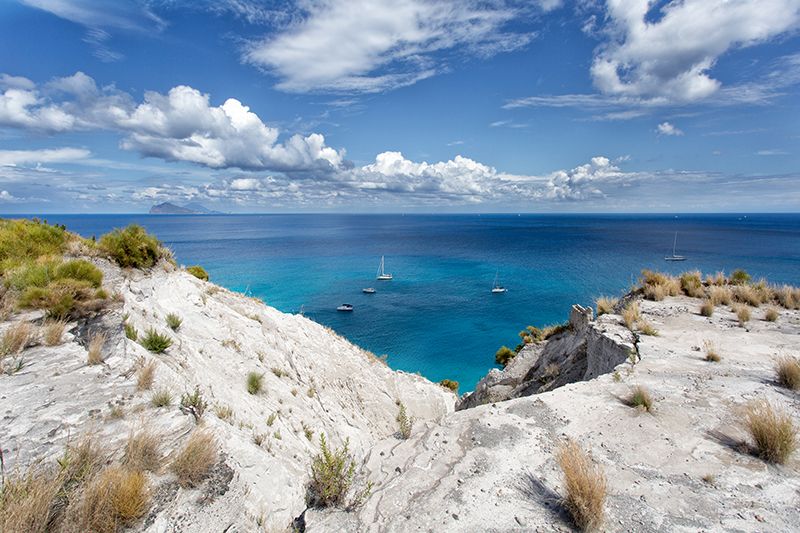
(384, 277)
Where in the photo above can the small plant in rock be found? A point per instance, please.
(640, 398)
(585, 486)
(198, 272)
(504, 356)
(255, 382)
(155, 341)
(311, 392)
(646, 328)
(450, 384)
(223, 412)
(161, 398)
(740, 277)
(787, 371)
(130, 332)
(16, 339)
(404, 422)
(259, 438)
(193, 463)
(132, 247)
(772, 430)
(712, 355)
(194, 404)
(173, 321)
(54, 332)
(309, 433)
(742, 314)
(145, 375)
(279, 372)
(631, 314)
(707, 308)
(271, 419)
(142, 451)
(95, 351)
(771, 314)
(606, 305)
(332, 476)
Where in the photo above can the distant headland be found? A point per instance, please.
(168, 208)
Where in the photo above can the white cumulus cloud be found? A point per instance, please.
(50, 155)
(667, 128)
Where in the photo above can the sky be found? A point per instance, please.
(111, 106)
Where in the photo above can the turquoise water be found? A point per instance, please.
(438, 316)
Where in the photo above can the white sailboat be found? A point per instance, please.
(497, 288)
(674, 257)
(382, 275)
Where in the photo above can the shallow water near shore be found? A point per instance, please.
(438, 316)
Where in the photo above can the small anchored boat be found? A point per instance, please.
(497, 288)
(674, 257)
(382, 275)
(368, 290)
(347, 308)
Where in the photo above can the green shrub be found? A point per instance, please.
(404, 422)
(640, 398)
(198, 272)
(60, 298)
(332, 475)
(131, 332)
(740, 277)
(155, 341)
(692, 284)
(22, 240)
(32, 273)
(449, 384)
(174, 321)
(161, 398)
(80, 269)
(255, 382)
(132, 247)
(504, 356)
(194, 403)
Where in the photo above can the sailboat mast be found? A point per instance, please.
(674, 244)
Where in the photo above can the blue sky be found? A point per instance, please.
(400, 105)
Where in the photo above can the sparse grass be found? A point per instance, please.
(145, 375)
(787, 371)
(631, 314)
(279, 372)
(95, 350)
(404, 422)
(450, 384)
(747, 294)
(116, 412)
(717, 279)
(640, 398)
(585, 486)
(646, 328)
(720, 295)
(132, 247)
(742, 313)
(787, 296)
(311, 392)
(161, 398)
(53, 332)
(232, 344)
(259, 438)
(194, 461)
(141, 451)
(198, 272)
(692, 284)
(712, 355)
(26, 500)
(155, 341)
(606, 305)
(309, 433)
(173, 321)
(771, 314)
(709, 479)
(504, 356)
(194, 403)
(739, 277)
(656, 293)
(130, 332)
(255, 382)
(707, 308)
(271, 419)
(223, 412)
(772, 430)
(332, 475)
(15, 339)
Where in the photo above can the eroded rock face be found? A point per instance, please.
(587, 349)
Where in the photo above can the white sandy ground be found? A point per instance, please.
(489, 468)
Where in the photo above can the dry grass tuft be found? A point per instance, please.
(772, 431)
(646, 328)
(585, 484)
(95, 350)
(161, 398)
(16, 338)
(720, 295)
(748, 294)
(707, 308)
(54, 331)
(787, 370)
(145, 375)
(26, 500)
(771, 314)
(631, 314)
(194, 461)
(742, 313)
(117, 496)
(692, 285)
(655, 293)
(606, 305)
(640, 398)
(141, 451)
(717, 279)
(787, 296)
(712, 355)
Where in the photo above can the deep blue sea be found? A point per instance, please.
(438, 316)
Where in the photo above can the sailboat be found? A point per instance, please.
(383, 276)
(674, 257)
(497, 288)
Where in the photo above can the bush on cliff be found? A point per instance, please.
(198, 272)
(132, 247)
(504, 356)
(449, 384)
(332, 476)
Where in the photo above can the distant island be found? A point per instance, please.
(168, 208)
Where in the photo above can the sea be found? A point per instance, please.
(438, 316)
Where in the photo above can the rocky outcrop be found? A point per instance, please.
(586, 349)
